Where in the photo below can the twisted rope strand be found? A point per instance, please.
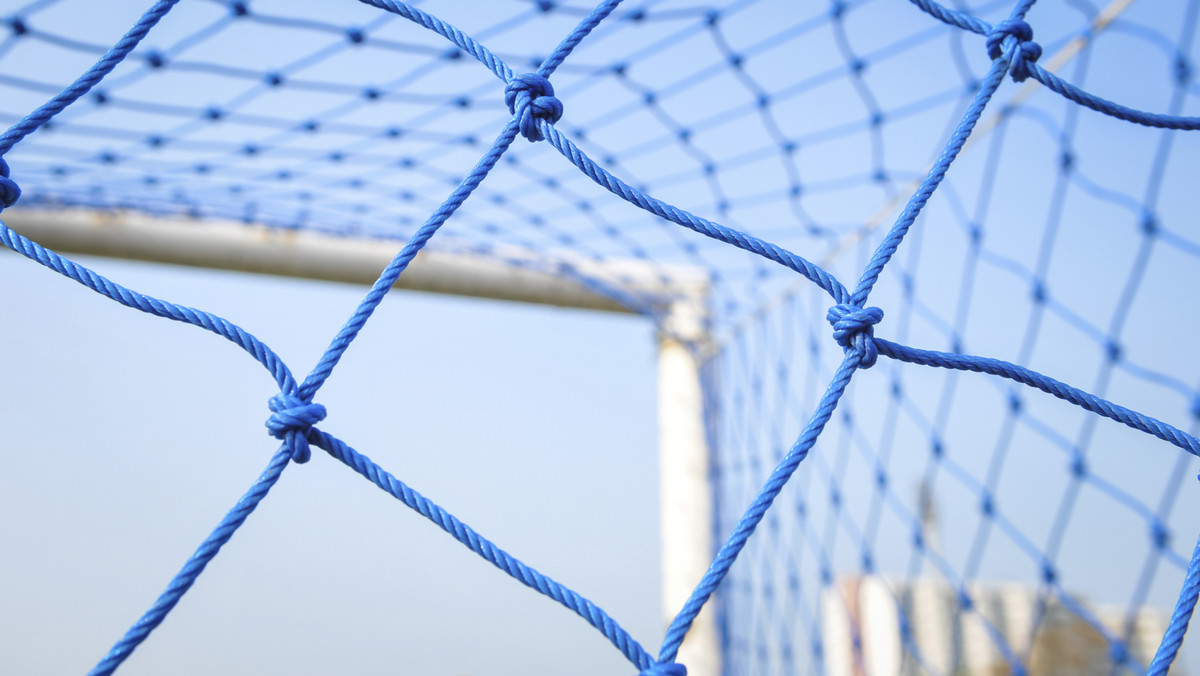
(392, 272)
(1182, 615)
(953, 17)
(741, 240)
(466, 535)
(530, 99)
(195, 565)
(1057, 84)
(151, 305)
(1020, 374)
(887, 247)
(564, 49)
(1073, 93)
(459, 38)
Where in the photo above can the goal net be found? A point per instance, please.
(922, 278)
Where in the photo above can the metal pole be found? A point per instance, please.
(686, 494)
(506, 274)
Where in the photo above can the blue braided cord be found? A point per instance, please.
(966, 21)
(296, 416)
(389, 276)
(1020, 10)
(1055, 83)
(1187, 598)
(1073, 93)
(887, 247)
(151, 305)
(581, 31)
(392, 272)
(464, 41)
(954, 18)
(1046, 384)
(191, 570)
(88, 80)
(757, 509)
(472, 540)
(1177, 629)
(537, 82)
(530, 97)
(987, 495)
(293, 447)
(606, 180)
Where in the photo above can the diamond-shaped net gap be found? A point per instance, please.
(899, 499)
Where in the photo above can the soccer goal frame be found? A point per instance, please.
(677, 297)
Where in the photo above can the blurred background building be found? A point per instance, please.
(878, 625)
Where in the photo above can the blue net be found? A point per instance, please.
(986, 469)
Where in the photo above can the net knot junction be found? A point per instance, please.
(854, 330)
(530, 97)
(10, 192)
(290, 420)
(1027, 52)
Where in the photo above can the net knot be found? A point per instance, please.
(530, 97)
(10, 192)
(854, 330)
(290, 420)
(664, 669)
(1027, 52)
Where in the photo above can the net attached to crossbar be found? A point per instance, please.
(946, 258)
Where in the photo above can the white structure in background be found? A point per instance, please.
(863, 636)
(861, 627)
